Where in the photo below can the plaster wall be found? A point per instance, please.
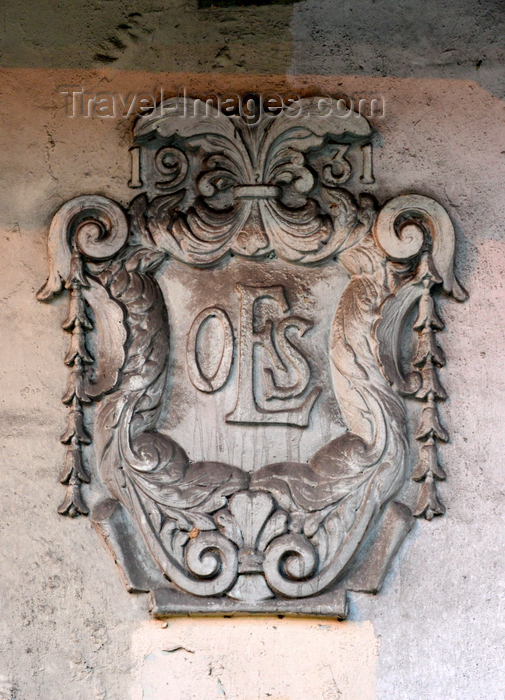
(69, 629)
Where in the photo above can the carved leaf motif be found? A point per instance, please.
(428, 462)
(76, 384)
(78, 348)
(108, 340)
(167, 532)
(335, 531)
(427, 316)
(76, 276)
(201, 521)
(430, 384)
(180, 517)
(428, 350)
(138, 221)
(251, 511)
(313, 521)
(430, 424)
(177, 546)
(73, 504)
(228, 526)
(428, 357)
(75, 428)
(428, 503)
(275, 526)
(151, 511)
(77, 313)
(74, 465)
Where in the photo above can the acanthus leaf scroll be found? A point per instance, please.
(289, 536)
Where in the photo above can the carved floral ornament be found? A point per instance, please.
(214, 300)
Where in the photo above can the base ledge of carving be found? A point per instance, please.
(167, 602)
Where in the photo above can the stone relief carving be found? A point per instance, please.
(257, 219)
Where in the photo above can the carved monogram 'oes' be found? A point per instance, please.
(293, 535)
(272, 391)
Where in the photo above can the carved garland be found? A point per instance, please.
(428, 357)
(288, 530)
(77, 323)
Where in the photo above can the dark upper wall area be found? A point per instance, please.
(402, 38)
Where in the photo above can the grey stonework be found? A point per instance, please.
(290, 527)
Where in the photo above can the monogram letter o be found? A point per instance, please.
(201, 379)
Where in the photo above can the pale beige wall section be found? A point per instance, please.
(252, 659)
(67, 624)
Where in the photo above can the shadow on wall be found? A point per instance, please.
(203, 4)
(450, 39)
(216, 36)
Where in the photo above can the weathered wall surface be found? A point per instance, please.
(69, 629)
